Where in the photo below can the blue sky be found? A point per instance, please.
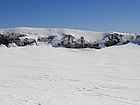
(96, 15)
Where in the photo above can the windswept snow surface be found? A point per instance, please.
(43, 75)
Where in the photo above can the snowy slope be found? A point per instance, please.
(44, 75)
(36, 32)
(58, 76)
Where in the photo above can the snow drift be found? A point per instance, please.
(57, 76)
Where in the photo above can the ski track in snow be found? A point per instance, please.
(58, 76)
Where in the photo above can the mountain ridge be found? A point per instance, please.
(65, 37)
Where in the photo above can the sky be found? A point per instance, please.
(94, 15)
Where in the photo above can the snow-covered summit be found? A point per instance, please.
(71, 36)
(91, 35)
